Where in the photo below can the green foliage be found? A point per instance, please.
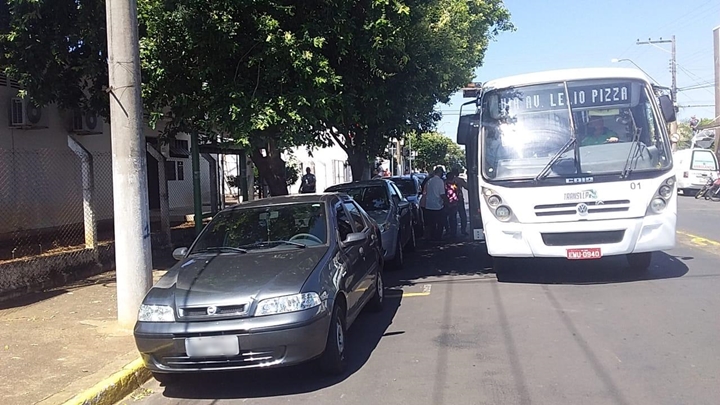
(57, 51)
(436, 149)
(265, 73)
(399, 59)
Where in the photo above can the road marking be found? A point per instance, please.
(405, 294)
(699, 240)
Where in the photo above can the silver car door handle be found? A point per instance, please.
(362, 252)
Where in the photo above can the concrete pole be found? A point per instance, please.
(165, 230)
(716, 48)
(88, 185)
(197, 191)
(213, 174)
(131, 213)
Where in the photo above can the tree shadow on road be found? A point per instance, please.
(363, 337)
(446, 258)
(604, 271)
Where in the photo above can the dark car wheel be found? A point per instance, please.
(377, 300)
(165, 378)
(333, 360)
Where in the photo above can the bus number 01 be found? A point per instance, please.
(635, 185)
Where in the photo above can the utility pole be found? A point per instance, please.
(716, 47)
(673, 61)
(133, 259)
(673, 126)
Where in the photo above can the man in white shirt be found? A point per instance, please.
(434, 197)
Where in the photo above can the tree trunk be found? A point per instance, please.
(359, 164)
(271, 168)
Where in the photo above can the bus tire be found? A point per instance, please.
(502, 266)
(639, 262)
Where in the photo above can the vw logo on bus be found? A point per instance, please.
(582, 209)
(211, 310)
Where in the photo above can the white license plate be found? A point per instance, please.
(212, 346)
(584, 254)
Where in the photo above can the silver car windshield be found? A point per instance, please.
(616, 128)
(279, 226)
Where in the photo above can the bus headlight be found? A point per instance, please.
(665, 191)
(658, 205)
(503, 213)
(494, 201)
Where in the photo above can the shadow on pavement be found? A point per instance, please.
(604, 271)
(450, 257)
(160, 261)
(363, 337)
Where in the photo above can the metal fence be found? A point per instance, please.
(61, 200)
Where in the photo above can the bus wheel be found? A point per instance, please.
(639, 262)
(502, 266)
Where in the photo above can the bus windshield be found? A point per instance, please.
(569, 129)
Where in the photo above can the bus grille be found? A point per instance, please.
(594, 207)
(582, 238)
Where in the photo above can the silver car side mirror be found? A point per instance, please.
(180, 253)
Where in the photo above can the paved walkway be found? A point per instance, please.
(58, 343)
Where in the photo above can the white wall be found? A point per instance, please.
(328, 165)
(41, 179)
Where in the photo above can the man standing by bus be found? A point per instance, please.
(434, 199)
(461, 184)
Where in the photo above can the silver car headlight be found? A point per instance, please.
(156, 313)
(288, 303)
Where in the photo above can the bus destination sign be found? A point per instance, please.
(604, 95)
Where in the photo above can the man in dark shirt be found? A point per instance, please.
(308, 182)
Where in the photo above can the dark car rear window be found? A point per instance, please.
(370, 198)
(406, 186)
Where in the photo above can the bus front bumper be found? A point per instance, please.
(611, 237)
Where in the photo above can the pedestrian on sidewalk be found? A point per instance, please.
(308, 182)
(434, 201)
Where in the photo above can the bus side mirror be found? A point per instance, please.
(467, 128)
(668, 109)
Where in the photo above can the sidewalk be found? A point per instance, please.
(61, 342)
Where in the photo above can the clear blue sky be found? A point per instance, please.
(557, 34)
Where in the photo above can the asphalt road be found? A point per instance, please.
(553, 334)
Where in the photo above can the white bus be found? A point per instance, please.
(571, 163)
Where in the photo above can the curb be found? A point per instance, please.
(114, 388)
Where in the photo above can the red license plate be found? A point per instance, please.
(584, 254)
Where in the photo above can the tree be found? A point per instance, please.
(399, 59)
(436, 149)
(269, 75)
(249, 71)
(57, 50)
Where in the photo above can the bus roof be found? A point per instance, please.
(550, 76)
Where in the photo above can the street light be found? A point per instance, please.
(636, 65)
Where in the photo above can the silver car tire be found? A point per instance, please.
(333, 360)
(378, 299)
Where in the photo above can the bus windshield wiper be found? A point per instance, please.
(546, 170)
(635, 150)
(572, 142)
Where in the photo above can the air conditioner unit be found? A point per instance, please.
(25, 114)
(84, 123)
